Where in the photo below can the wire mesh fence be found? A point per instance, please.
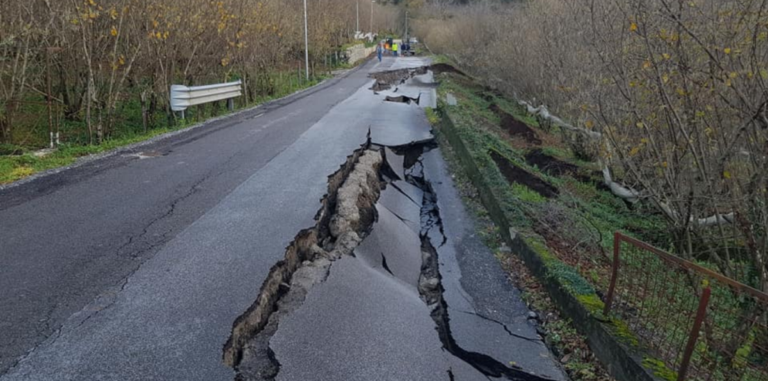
(699, 324)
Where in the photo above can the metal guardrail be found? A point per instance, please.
(700, 324)
(183, 97)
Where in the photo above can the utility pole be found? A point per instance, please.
(372, 1)
(358, 17)
(407, 40)
(306, 40)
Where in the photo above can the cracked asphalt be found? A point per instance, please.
(134, 266)
(77, 236)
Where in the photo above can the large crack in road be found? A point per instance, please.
(366, 281)
(347, 217)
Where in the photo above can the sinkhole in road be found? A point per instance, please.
(349, 215)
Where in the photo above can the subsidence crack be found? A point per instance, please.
(431, 290)
(344, 219)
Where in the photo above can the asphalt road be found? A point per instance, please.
(134, 266)
(73, 237)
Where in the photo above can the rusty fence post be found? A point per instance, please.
(614, 272)
(701, 313)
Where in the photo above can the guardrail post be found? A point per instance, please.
(614, 272)
(231, 104)
(701, 313)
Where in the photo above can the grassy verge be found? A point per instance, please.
(568, 346)
(533, 184)
(553, 200)
(20, 161)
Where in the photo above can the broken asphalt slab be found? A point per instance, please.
(487, 314)
(174, 314)
(361, 324)
(393, 247)
(407, 207)
(373, 304)
(367, 320)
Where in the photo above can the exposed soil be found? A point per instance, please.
(346, 215)
(381, 86)
(556, 167)
(386, 79)
(517, 175)
(515, 127)
(489, 93)
(440, 68)
(549, 164)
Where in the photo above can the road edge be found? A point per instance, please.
(621, 359)
(291, 98)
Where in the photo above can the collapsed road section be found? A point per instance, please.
(390, 283)
(410, 85)
(361, 293)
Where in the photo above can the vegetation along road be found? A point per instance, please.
(383, 190)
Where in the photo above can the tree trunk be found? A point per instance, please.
(5, 124)
(144, 111)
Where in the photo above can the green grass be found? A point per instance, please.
(128, 128)
(13, 168)
(584, 203)
(526, 194)
(438, 59)
(581, 203)
(432, 116)
(587, 213)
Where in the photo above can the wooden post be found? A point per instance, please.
(614, 272)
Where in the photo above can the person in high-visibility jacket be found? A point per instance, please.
(395, 47)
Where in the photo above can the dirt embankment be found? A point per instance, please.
(517, 175)
(515, 127)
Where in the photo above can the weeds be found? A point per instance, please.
(129, 130)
